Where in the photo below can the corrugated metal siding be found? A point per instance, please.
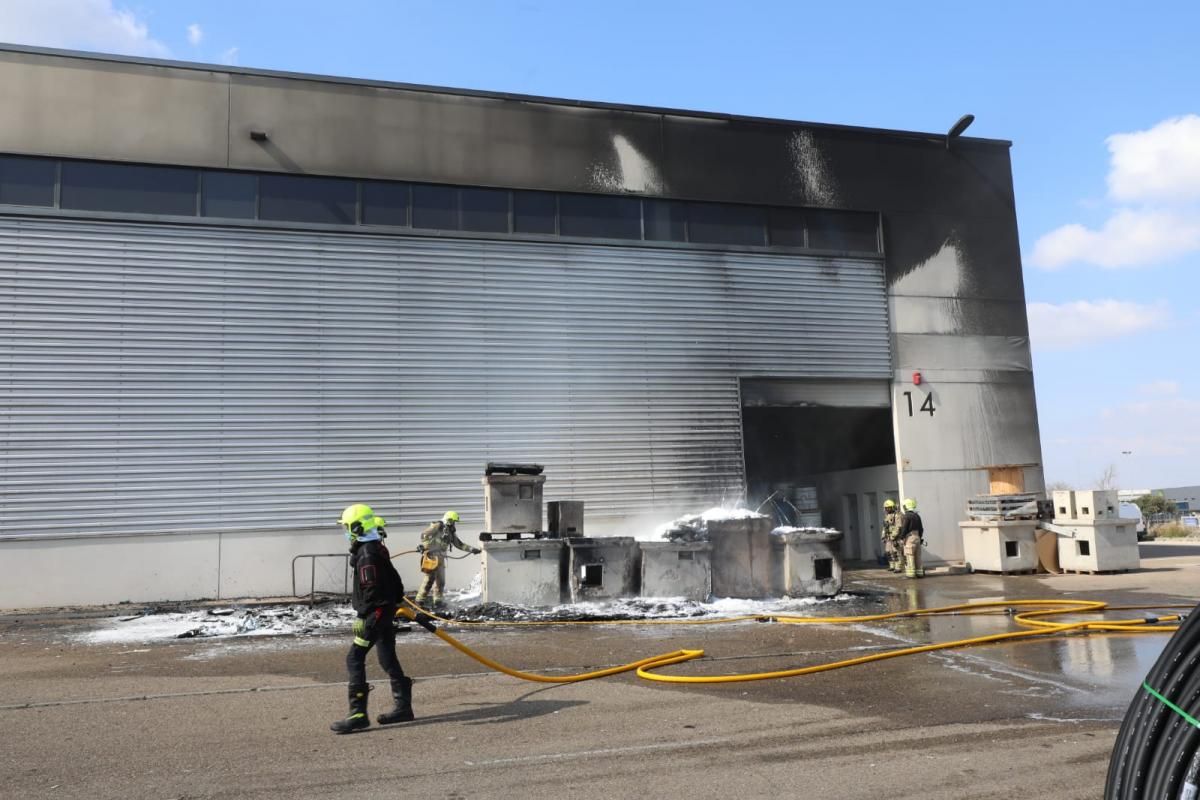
(173, 378)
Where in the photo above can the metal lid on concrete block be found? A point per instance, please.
(600, 541)
(522, 544)
(673, 547)
(524, 480)
(500, 468)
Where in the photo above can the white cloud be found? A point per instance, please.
(1063, 326)
(1155, 173)
(229, 56)
(1159, 164)
(1129, 238)
(195, 34)
(78, 24)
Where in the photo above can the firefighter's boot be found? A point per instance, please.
(357, 719)
(402, 694)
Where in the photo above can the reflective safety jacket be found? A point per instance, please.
(440, 537)
(891, 525)
(376, 582)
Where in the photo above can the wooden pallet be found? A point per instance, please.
(1095, 571)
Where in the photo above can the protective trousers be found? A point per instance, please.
(889, 549)
(382, 636)
(434, 583)
(912, 557)
(895, 551)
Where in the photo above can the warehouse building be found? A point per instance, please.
(237, 300)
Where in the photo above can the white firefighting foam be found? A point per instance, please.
(296, 620)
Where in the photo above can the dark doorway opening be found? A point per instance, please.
(783, 444)
(841, 459)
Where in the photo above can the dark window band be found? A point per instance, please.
(225, 194)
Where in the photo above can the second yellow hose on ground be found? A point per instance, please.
(1032, 618)
(663, 660)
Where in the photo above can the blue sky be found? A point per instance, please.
(1110, 223)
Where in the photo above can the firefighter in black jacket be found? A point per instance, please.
(912, 533)
(377, 591)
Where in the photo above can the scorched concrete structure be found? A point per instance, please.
(238, 300)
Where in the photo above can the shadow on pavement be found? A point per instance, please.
(487, 714)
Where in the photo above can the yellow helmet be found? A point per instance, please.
(889, 503)
(358, 518)
(910, 504)
(450, 516)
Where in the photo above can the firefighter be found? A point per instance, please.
(912, 533)
(377, 591)
(439, 537)
(890, 535)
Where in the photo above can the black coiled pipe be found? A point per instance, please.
(1157, 747)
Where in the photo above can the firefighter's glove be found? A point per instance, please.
(360, 628)
(475, 551)
(420, 548)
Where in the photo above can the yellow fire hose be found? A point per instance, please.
(1033, 619)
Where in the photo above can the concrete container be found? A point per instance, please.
(809, 519)
(523, 572)
(811, 566)
(564, 518)
(512, 503)
(743, 560)
(1101, 547)
(1000, 545)
(1086, 506)
(603, 568)
(676, 569)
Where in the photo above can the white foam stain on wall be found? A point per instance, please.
(940, 275)
(632, 172)
(811, 175)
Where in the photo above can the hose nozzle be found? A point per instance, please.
(419, 617)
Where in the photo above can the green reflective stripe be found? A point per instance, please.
(356, 716)
(1195, 722)
(361, 642)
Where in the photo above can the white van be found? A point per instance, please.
(1131, 511)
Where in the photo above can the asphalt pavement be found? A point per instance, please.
(248, 716)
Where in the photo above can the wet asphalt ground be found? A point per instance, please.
(247, 717)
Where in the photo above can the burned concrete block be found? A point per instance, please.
(564, 518)
(677, 569)
(512, 503)
(602, 568)
(811, 566)
(524, 572)
(742, 557)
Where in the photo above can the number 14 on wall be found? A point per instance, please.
(927, 406)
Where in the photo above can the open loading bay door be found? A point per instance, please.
(821, 453)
